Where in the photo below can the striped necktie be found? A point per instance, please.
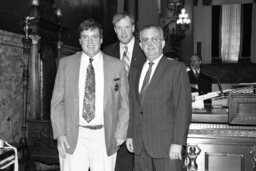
(126, 59)
(89, 94)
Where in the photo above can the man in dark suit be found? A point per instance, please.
(160, 107)
(199, 81)
(90, 105)
(124, 28)
(127, 49)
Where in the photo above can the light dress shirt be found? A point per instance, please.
(145, 69)
(194, 70)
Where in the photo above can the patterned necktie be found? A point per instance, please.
(145, 82)
(89, 94)
(126, 59)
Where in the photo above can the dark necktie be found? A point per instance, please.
(126, 59)
(89, 94)
(145, 82)
(197, 73)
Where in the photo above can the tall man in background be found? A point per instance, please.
(160, 110)
(127, 49)
(90, 105)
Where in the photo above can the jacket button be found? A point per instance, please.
(141, 113)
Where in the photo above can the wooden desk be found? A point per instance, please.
(217, 143)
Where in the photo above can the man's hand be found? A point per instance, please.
(129, 145)
(175, 152)
(62, 142)
(119, 142)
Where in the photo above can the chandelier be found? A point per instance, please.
(183, 22)
(177, 22)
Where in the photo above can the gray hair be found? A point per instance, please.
(117, 17)
(146, 27)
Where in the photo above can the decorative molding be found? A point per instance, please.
(253, 156)
(193, 152)
(223, 131)
(220, 126)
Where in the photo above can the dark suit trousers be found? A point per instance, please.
(124, 159)
(144, 162)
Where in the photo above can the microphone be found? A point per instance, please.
(216, 78)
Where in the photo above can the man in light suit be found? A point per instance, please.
(124, 28)
(90, 105)
(160, 110)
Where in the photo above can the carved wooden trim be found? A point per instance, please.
(253, 156)
(220, 126)
(223, 132)
(193, 152)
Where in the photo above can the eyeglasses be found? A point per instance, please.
(153, 40)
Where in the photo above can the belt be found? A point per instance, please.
(92, 126)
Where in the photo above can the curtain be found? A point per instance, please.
(230, 33)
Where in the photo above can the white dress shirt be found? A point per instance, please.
(99, 88)
(145, 69)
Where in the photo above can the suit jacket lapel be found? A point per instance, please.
(75, 76)
(155, 78)
(117, 51)
(137, 80)
(107, 80)
(136, 51)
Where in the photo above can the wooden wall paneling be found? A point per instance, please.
(202, 30)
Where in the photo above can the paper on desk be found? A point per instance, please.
(207, 96)
(197, 103)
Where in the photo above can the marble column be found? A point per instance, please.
(34, 78)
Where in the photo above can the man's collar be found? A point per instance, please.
(130, 44)
(156, 61)
(95, 57)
